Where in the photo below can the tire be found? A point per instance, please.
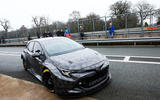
(48, 81)
(24, 64)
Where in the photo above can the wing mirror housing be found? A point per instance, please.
(37, 53)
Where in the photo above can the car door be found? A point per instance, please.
(38, 60)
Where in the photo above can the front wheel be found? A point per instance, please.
(48, 81)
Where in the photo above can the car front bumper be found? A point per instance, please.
(77, 91)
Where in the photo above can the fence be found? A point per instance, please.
(142, 20)
(128, 25)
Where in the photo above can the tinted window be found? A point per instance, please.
(37, 46)
(30, 46)
(60, 45)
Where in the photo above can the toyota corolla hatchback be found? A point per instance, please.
(66, 67)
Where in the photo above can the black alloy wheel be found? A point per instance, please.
(48, 81)
(24, 64)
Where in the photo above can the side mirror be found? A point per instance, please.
(37, 54)
(37, 51)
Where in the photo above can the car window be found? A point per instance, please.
(60, 45)
(37, 46)
(30, 46)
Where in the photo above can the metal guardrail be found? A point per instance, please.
(127, 31)
(125, 39)
(133, 42)
(12, 44)
(87, 34)
(102, 42)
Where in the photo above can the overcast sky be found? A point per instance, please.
(20, 12)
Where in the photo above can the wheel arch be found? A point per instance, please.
(23, 57)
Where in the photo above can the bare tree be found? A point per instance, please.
(93, 22)
(6, 25)
(46, 24)
(74, 16)
(144, 7)
(23, 31)
(73, 21)
(40, 22)
(158, 12)
(58, 25)
(119, 8)
(158, 21)
(157, 15)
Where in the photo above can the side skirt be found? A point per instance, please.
(34, 73)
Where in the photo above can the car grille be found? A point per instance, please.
(94, 79)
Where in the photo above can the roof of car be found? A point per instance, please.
(47, 38)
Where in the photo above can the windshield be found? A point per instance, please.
(60, 45)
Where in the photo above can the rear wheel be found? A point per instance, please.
(24, 64)
(48, 80)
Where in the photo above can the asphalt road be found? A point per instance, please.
(138, 80)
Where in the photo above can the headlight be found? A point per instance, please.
(105, 64)
(65, 72)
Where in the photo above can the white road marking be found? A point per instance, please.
(140, 62)
(126, 58)
(146, 57)
(9, 54)
(133, 56)
(115, 55)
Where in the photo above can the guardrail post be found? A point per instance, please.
(112, 19)
(40, 31)
(93, 25)
(150, 22)
(78, 25)
(105, 19)
(142, 23)
(97, 44)
(134, 43)
(126, 16)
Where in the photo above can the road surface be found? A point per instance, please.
(135, 72)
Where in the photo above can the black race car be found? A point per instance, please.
(65, 66)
